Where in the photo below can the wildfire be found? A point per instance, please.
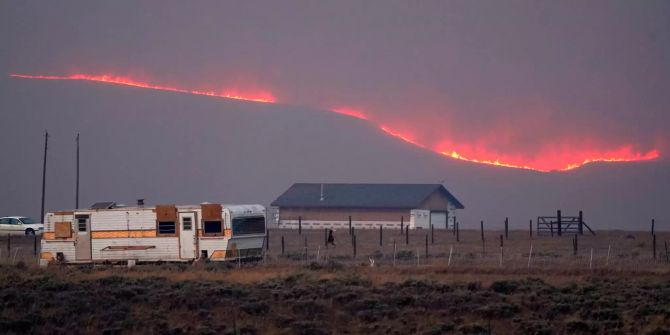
(496, 162)
(632, 157)
(464, 152)
(118, 80)
(348, 111)
(407, 138)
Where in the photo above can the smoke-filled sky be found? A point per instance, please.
(543, 84)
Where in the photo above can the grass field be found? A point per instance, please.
(339, 294)
(616, 250)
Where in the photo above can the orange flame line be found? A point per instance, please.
(456, 155)
(268, 98)
(117, 80)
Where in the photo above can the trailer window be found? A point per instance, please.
(212, 228)
(187, 223)
(249, 225)
(167, 228)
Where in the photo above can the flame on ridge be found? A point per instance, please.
(348, 111)
(623, 154)
(118, 80)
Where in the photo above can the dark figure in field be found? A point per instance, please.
(331, 238)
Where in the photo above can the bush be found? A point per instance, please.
(499, 310)
(504, 286)
(578, 326)
(255, 308)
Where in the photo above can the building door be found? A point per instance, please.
(438, 220)
(187, 237)
(83, 238)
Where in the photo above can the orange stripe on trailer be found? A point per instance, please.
(47, 255)
(218, 254)
(226, 233)
(49, 236)
(123, 233)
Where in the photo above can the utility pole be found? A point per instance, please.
(44, 172)
(76, 198)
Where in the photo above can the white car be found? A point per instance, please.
(20, 225)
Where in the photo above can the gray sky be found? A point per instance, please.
(531, 82)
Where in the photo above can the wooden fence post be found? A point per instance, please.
(381, 243)
(667, 257)
(482, 229)
(299, 225)
(407, 235)
(282, 244)
(305, 247)
(35, 244)
(506, 228)
(267, 240)
(402, 224)
(581, 223)
(354, 240)
(558, 214)
(652, 226)
(458, 231)
(530, 228)
(432, 234)
(454, 230)
(501, 250)
(451, 250)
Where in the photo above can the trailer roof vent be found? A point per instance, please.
(104, 205)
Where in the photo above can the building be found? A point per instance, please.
(366, 206)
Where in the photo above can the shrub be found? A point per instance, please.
(578, 326)
(499, 310)
(504, 286)
(255, 308)
(473, 328)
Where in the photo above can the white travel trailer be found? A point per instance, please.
(106, 233)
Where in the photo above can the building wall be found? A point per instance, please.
(342, 214)
(338, 218)
(436, 202)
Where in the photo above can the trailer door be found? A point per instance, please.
(83, 238)
(187, 238)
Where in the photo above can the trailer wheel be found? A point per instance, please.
(30, 231)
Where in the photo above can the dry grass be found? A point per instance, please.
(331, 298)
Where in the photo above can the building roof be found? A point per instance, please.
(361, 195)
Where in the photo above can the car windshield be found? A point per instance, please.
(27, 220)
